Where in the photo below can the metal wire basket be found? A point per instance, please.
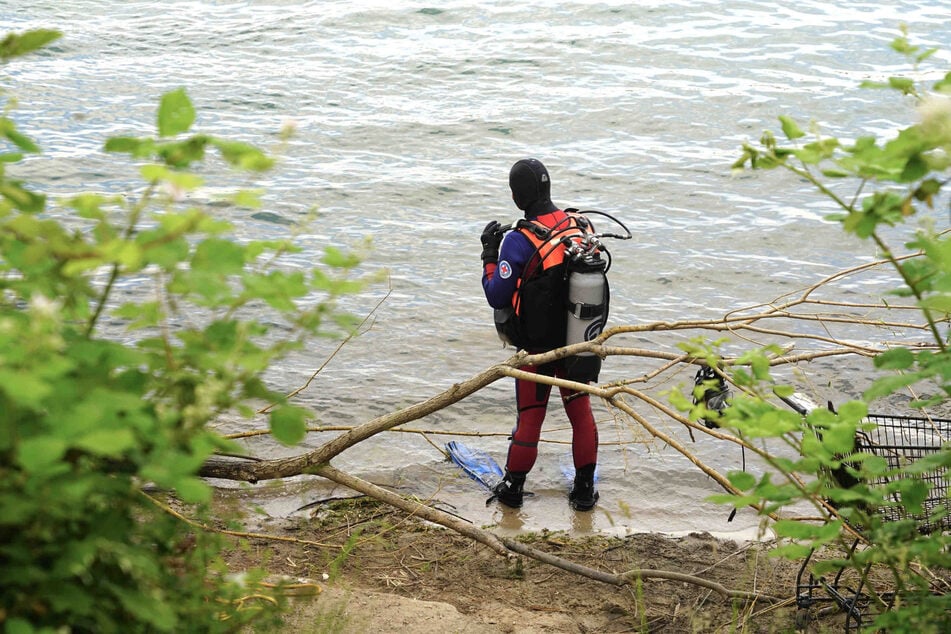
(901, 440)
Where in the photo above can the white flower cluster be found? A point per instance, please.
(935, 113)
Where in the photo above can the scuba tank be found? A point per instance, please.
(587, 305)
(567, 303)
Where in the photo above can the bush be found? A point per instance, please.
(87, 420)
(891, 181)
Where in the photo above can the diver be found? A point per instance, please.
(511, 263)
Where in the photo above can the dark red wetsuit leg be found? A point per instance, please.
(584, 430)
(531, 400)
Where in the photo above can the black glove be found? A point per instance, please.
(491, 239)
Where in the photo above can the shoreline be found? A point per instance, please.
(379, 570)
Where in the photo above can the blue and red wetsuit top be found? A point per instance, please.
(519, 249)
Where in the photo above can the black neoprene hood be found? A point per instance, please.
(531, 187)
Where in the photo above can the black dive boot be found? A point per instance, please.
(583, 495)
(509, 490)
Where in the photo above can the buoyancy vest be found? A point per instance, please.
(540, 318)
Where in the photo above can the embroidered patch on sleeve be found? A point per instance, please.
(505, 270)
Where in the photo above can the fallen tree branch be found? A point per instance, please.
(776, 320)
(296, 465)
(629, 577)
(223, 531)
(414, 508)
(506, 547)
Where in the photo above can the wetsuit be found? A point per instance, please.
(499, 281)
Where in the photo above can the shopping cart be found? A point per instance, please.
(900, 440)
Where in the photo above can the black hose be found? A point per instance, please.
(613, 219)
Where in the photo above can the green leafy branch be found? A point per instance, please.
(893, 180)
(911, 171)
(86, 419)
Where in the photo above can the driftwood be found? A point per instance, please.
(507, 547)
(631, 576)
(772, 322)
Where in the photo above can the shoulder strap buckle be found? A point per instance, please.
(540, 231)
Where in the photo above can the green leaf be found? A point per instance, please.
(943, 85)
(176, 113)
(250, 199)
(814, 153)
(142, 315)
(17, 508)
(243, 155)
(795, 529)
(895, 359)
(927, 189)
(181, 154)
(23, 388)
(915, 169)
(21, 198)
(856, 494)
(167, 253)
(277, 289)
(17, 625)
(790, 128)
(817, 533)
(185, 181)
(38, 453)
(18, 139)
(840, 438)
(940, 302)
(742, 480)
(905, 85)
(339, 259)
(931, 463)
(833, 172)
(15, 45)
(107, 442)
(157, 613)
(890, 384)
(853, 411)
(219, 256)
(679, 401)
(868, 83)
(88, 205)
(123, 144)
(873, 466)
(288, 424)
(153, 173)
(192, 490)
(213, 288)
(901, 44)
(784, 390)
(137, 148)
(760, 366)
(738, 501)
(913, 494)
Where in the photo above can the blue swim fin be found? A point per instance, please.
(477, 464)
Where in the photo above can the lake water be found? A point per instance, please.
(408, 117)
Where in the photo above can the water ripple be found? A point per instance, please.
(409, 116)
